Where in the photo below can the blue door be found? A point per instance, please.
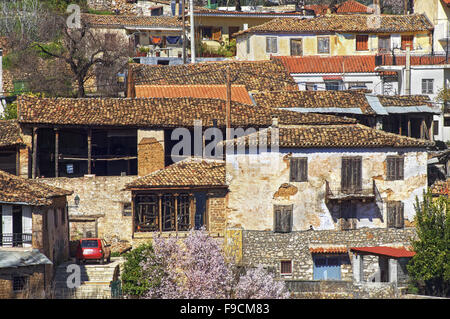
(327, 268)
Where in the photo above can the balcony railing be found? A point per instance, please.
(15, 239)
(339, 193)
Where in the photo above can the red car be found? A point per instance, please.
(93, 249)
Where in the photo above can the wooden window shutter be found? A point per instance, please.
(298, 169)
(395, 168)
(395, 214)
(399, 218)
(362, 42)
(351, 174)
(407, 41)
(283, 218)
(296, 47)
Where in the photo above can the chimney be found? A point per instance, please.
(274, 121)
(408, 71)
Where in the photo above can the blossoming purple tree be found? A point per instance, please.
(195, 268)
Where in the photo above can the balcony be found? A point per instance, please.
(15, 239)
(364, 193)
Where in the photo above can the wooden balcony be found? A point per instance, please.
(15, 239)
(368, 193)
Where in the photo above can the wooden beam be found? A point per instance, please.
(191, 211)
(34, 156)
(56, 152)
(18, 160)
(176, 212)
(89, 142)
(409, 126)
(133, 221)
(160, 212)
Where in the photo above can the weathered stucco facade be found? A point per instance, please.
(258, 182)
(339, 44)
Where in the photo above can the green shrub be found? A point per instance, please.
(134, 281)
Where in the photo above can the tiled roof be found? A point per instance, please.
(261, 14)
(328, 250)
(385, 251)
(334, 136)
(156, 113)
(187, 173)
(345, 23)
(441, 187)
(14, 189)
(256, 76)
(388, 59)
(122, 21)
(343, 8)
(332, 64)
(404, 100)
(238, 92)
(314, 99)
(9, 133)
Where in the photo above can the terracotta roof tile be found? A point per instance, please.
(333, 64)
(345, 23)
(329, 136)
(343, 8)
(14, 189)
(238, 92)
(395, 252)
(187, 173)
(328, 250)
(9, 133)
(404, 100)
(314, 99)
(122, 21)
(441, 187)
(156, 113)
(256, 76)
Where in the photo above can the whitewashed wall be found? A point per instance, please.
(255, 182)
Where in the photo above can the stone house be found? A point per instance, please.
(11, 147)
(409, 115)
(34, 235)
(332, 35)
(101, 144)
(299, 208)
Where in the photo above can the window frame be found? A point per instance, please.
(366, 42)
(396, 218)
(270, 40)
(278, 226)
(386, 38)
(296, 40)
(286, 262)
(19, 286)
(404, 42)
(322, 38)
(398, 174)
(357, 186)
(298, 169)
(426, 86)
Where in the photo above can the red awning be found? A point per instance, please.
(332, 77)
(384, 251)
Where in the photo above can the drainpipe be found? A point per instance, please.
(408, 72)
(191, 12)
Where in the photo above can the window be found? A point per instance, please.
(286, 267)
(357, 85)
(175, 211)
(427, 86)
(394, 168)
(348, 215)
(351, 174)
(271, 45)
(446, 121)
(407, 41)
(19, 283)
(232, 31)
(435, 127)
(283, 218)
(384, 43)
(296, 47)
(333, 85)
(323, 45)
(310, 86)
(211, 33)
(362, 42)
(327, 267)
(395, 214)
(298, 169)
(126, 209)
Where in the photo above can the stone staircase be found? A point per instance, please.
(95, 280)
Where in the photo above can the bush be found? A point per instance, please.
(134, 281)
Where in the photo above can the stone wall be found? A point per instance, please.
(35, 289)
(268, 248)
(102, 199)
(217, 204)
(150, 151)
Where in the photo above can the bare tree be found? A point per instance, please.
(85, 49)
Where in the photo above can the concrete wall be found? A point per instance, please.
(258, 182)
(340, 44)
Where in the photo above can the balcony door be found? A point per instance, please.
(351, 171)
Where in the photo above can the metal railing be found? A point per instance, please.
(339, 192)
(15, 239)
